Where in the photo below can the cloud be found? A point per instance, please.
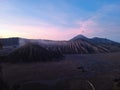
(62, 22)
(101, 23)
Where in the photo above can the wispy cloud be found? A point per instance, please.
(98, 24)
(60, 20)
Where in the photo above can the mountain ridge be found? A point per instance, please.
(77, 45)
(77, 37)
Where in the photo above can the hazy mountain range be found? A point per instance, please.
(77, 45)
(25, 50)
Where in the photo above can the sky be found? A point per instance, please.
(60, 19)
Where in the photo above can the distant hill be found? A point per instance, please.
(9, 41)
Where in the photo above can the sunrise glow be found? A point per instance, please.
(59, 19)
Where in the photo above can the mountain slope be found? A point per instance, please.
(105, 41)
(79, 47)
(32, 52)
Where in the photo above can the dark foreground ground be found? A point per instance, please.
(75, 72)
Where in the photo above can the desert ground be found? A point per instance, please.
(74, 72)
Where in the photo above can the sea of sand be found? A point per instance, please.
(73, 72)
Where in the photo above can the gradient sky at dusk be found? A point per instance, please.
(60, 19)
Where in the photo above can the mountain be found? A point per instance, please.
(106, 44)
(77, 45)
(82, 37)
(95, 40)
(32, 52)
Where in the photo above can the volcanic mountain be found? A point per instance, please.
(77, 45)
(32, 52)
(83, 45)
(78, 37)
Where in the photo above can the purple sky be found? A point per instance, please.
(60, 19)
